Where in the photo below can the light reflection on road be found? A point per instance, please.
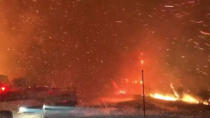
(17, 115)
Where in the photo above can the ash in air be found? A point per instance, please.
(96, 46)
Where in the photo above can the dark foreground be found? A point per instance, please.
(131, 109)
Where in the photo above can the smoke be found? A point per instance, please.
(17, 25)
(89, 44)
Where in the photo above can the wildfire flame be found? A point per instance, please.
(164, 97)
(176, 97)
(173, 96)
(205, 103)
(189, 99)
(186, 98)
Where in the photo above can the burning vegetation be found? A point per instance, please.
(184, 97)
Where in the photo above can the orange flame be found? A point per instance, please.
(164, 97)
(176, 97)
(189, 99)
(205, 103)
(185, 98)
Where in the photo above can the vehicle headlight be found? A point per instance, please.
(22, 109)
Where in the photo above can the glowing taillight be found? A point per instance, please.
(3, 88)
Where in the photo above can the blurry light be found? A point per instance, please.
(43, 107)
(22, 109)
(3, 88)
(169, 6)
(126, 80)
(205, 103)
(141, 53)
(141, 82)
(142, 61)
(135, 82)
(122, 92)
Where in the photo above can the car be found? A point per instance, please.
(33, 99)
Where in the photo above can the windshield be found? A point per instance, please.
(140, 56)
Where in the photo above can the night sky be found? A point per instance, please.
(89, 44)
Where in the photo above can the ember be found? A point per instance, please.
(122, 92)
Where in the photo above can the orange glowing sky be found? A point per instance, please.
(90, 44)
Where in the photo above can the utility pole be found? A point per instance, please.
(144, 109)
(142, 82)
